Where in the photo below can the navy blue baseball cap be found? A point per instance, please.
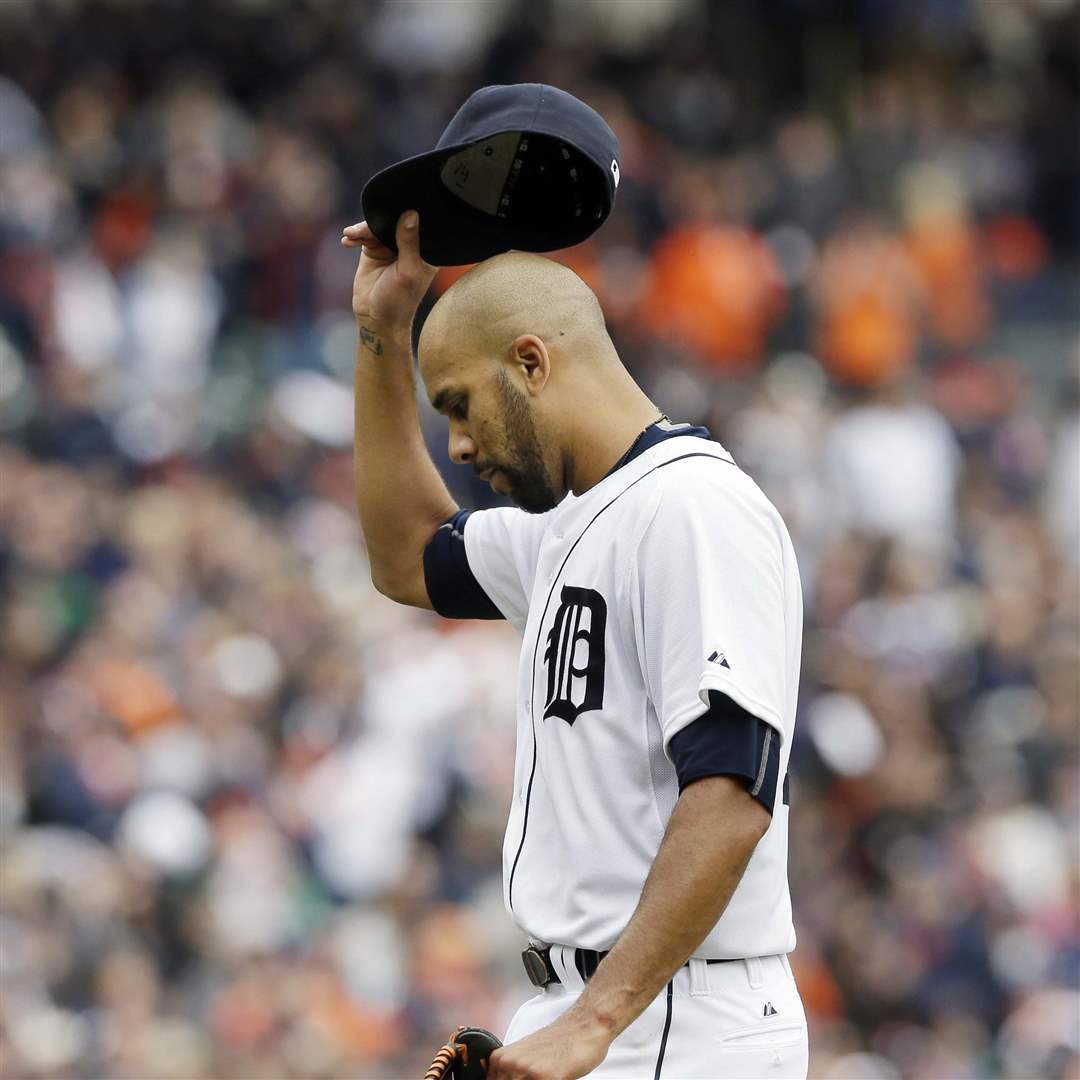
(526, 167)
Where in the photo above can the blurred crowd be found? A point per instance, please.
(250, 810)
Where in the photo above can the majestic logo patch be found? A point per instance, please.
(615, 171)
(575, 655)
(768, 1010)
(719, 658)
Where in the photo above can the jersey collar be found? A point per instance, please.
(657, 432)
(656, 444)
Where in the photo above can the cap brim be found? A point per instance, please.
(452, 233)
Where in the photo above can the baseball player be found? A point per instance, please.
(658, 598)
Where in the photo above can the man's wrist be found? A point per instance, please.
(594, 1020)
(378, 339)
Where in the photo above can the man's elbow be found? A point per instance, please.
(393, 589)
(756, 819)
(384, 585)
(750, 819)
(408, 589)
(746, 818)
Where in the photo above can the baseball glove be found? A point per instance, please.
(465, 1055)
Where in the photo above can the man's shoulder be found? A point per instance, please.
(706, 484)
(693, 469)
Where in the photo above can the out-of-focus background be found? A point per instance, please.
(251, 811)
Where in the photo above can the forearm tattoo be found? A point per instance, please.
(371, 341)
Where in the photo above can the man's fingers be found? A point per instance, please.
(408, 242)
(354, 235)
(360, 231)
(360, 235)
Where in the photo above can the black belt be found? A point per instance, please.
(542, 973)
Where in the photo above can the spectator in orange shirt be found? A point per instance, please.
(945, 247)
(868, 295)
(714, 286)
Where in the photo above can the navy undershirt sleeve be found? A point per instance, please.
(451, 585)
(729, 741)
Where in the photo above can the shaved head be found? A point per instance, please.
(509, 295)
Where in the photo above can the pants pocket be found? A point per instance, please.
(775, 1035)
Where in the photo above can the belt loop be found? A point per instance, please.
(562, 960)
(755, 974)
(699, 977)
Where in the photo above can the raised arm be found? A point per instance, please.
(401, 498)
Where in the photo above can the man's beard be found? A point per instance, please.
(527, 480)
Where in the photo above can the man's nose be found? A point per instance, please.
(462, 449)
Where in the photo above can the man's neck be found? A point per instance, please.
(598, 446)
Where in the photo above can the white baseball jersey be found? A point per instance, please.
(672, 578)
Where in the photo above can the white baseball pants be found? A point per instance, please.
(739, 1020)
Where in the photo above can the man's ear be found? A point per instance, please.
(529, 354)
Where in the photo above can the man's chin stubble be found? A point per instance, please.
(531, 501)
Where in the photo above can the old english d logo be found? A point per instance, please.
(575, 655)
